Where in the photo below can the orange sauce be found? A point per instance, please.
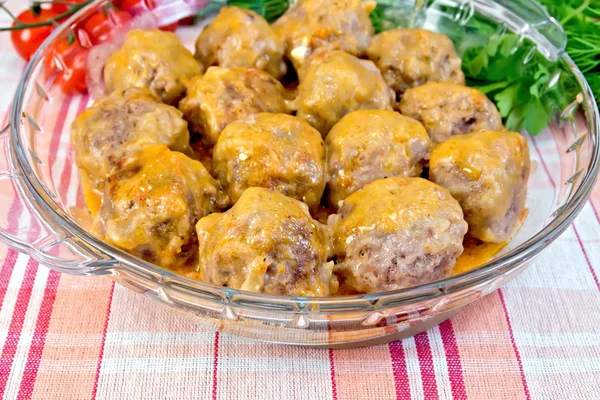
(91, 196)
(203, 153)
(475, 254)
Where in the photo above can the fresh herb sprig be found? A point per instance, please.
(581, 21)
(527, 88)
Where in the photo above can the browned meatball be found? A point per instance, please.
(335, 24)
(487, 173)
(151, 206)
(276, 151)
(337, 85)
(447, 109)
(372, 144)
(117, 126)
(241, 38)
(412, 57)
(224, 95)
(152, 59)
(266, 243)
(396, 233)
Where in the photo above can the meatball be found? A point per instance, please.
(152, 204)
(152, 59)
(396, 233)
(266, 243)
(447, 109)
(224, 95)
(335, 24)
(337, 85)
(412, 57)
(487, 173)
(241, 38)
(276, 151)
(372, 144)
(117, 126)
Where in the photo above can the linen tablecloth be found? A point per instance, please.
(66, 337)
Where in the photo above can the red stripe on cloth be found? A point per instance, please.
(332, 374)
(215, 367)
(16, 323)
(399, 369)
(587, 258)
(514, 345)
(6, 272)
(39, 337)
(45, 313)
(455, 373)
(426, 365)
(104, 330)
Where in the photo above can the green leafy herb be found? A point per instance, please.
(526, 87)
(581, 21)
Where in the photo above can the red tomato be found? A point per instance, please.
(141, 5)
(61, 8)
(26, 41)
(68, 61)
(101, 26)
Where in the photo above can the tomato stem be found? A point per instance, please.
(73, 9)
(3, 7)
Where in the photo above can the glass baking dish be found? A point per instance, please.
(43, 212)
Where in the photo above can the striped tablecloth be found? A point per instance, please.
(65, 337)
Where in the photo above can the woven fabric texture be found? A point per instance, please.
(65, 337)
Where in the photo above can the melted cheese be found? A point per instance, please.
(476, 254)
(92, 198)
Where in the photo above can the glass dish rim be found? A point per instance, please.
(44, 204)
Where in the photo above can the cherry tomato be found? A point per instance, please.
(61, 8)
(101, 26)
(26, 41)
(68, 61)
(141, 5)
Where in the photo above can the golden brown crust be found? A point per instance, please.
(114, 129)
(152, 204)
(224, 95)
(487, 172)
(368, 145)
(152, 59)
(396, 233)
(276, 151)
(241, 38)
(412, 57)
(266, 243)
(447, 109)
(338, 84)
(333, 24)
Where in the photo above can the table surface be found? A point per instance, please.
(66, 337)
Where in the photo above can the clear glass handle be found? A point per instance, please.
(526, 18)
(529, 19)
(23, 228)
